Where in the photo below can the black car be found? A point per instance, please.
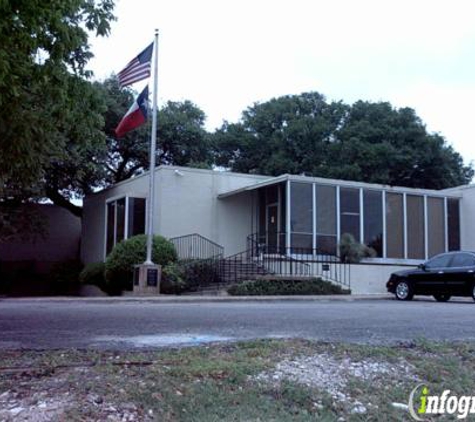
(443, 276)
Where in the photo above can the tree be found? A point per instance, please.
(128, 156)
(181, 137)
(283, 135)
(371, 142)
(50, 116)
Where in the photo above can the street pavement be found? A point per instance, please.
(128, 324)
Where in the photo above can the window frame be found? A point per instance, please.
(455, 255)
(448, 255)
(115, 199)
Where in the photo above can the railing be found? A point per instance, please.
(199, 259)
(240, 267)
(278, 259)
(203, 262)
(196, 247)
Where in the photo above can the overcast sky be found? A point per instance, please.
(226, 55)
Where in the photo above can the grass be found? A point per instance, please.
(217, 382)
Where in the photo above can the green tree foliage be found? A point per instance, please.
(181, 137)
(128, 156)
(50, 116)
(371, 142)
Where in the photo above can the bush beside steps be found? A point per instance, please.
(276, 287)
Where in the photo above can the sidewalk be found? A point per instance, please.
(201, 299)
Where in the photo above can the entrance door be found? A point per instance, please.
(272, 228)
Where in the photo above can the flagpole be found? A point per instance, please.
(153, 144)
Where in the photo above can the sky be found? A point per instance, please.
(227, 55)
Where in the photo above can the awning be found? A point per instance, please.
(254, 186)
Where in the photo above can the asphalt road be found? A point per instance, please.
(120, 325)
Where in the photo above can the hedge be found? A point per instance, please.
(270, 287)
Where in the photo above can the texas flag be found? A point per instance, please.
(136, 116)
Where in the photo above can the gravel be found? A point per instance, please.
(330, 374)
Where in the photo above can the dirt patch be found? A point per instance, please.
(40, 396)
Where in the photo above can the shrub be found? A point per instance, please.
(200, 273)
(352, 251)
(263, 287)
(120, 262)
(94, 274)
(173, 280)
(64, 277)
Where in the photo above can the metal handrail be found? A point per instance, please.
(285, 261)
(196, 247)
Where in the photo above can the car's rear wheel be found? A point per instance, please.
(473, 291)
(404, 291)
(441, 297)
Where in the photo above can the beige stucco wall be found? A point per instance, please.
(186, 202)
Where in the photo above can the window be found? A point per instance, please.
(453, 222)
(415, 227)
(435, 226)
(439, 261)
(350, 212)
(110, 236)
(463, 260)
(120, 220)
(326, 219)
(301, 215)
(394, 225)
(117, 228)
(136, 216)
(373, 220)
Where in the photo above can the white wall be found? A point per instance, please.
(94, 216)
(186, 202)
(369, 279)
(189, 204)
(467, 218)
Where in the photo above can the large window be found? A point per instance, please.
(415, 227)
(121, 224)
(301, 215)
(373, 220)
(350, 212)
(436, 226)
(326, 219)
(394, 225)
(453, 223)
(136, 216)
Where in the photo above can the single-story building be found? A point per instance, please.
(287, 215)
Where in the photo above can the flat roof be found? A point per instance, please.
(338, 182)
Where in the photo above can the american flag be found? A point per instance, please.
(137, 69)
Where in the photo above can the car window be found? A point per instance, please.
(439, 261)
(463, 260)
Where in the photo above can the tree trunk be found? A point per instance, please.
(62, 202)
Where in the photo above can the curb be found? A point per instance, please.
(200, 299)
